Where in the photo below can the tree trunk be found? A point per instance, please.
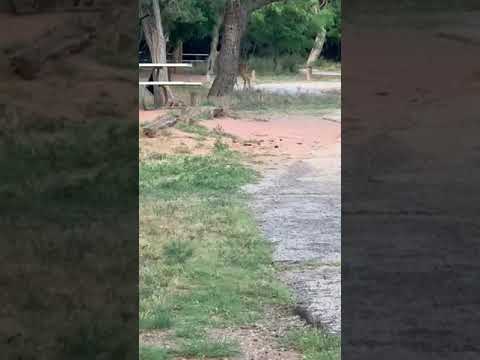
(177, 54)
(212, 59)
(235, 24)
(316, 51)
(155, 38)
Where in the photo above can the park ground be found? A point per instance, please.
(216, 279)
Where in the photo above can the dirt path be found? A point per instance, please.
(297, 204)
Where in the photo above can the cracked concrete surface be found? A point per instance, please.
(298, 208)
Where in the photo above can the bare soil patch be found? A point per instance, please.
(260, 341)
(280, 138)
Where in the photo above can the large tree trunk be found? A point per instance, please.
(155, 38)
(235, 24)
(212, 58)
(316, 51)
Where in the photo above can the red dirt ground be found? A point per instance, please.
(280, 138)
(292, 136)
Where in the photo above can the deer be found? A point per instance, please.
(246, 75)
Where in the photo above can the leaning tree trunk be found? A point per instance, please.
(235, 24)
(212, 58)
(316, 51)
(157, 44)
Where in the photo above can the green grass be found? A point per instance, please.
(180, 175)
(153, 353)
(158, 319)
(200, 348)
(260, 102)
(327, 65)
(202, 259)
(315, 344)
(194, 128)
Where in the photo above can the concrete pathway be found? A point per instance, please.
(298, 208)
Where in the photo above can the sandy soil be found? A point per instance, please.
(288, 137)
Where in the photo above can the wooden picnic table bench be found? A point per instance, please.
(154, 66)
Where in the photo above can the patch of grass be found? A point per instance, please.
(177, 252)
(202, 258)
(153, 353)
(327, 65)
(200, 348)
(257, 101)
(189, 331)
(158, 319)
(315, 344)
(220, 146)
(190, 174)
(194, 128)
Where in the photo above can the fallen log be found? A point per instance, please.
(151, 128)
(68, 39)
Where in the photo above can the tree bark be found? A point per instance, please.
(212, 58)
(317, 46)
(316, 51)
(177, 54)
(155, 38)
(235, 22)
(151, 128)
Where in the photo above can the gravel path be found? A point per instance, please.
(300, 87)
(298, 208)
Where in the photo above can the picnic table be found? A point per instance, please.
(155, 66)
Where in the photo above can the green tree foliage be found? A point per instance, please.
(331, 16)
(290, 27)
(184, 20)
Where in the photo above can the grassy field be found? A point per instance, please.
(314, 344)
(203, 263)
